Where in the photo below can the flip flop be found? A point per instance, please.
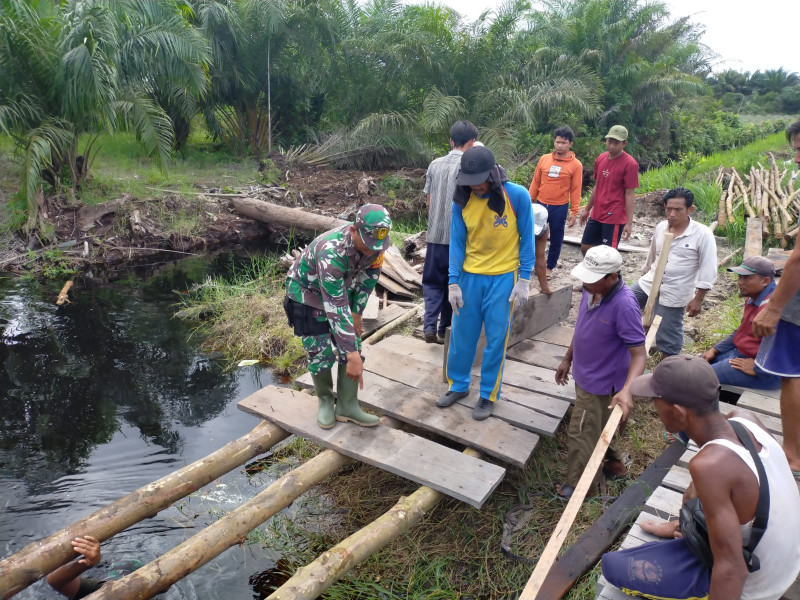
(564, 491)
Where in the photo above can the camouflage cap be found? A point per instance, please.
(121, 568)
(373, 223)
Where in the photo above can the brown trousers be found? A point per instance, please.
(589, 416)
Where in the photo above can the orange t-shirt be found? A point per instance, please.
(558, 181)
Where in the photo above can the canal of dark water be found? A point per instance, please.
(106, 394)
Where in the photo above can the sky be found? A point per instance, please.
(745, 35)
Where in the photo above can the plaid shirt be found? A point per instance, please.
(440, 183)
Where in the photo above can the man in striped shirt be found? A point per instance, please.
(440, 184)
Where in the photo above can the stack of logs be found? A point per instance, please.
(764, 196)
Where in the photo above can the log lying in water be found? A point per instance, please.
(266, 212)
(230, 530)
(40, 558)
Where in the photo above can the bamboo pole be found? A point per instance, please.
(651, 333)
(317, 577)
(550, 553)
(230, 530)
(40, 558)
(63, 294)
(381, 333)
(661, 264)
(729, 197)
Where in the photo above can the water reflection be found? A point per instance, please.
(104, 395)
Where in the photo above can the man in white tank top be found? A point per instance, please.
(724, 477)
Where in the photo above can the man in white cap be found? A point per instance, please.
(606, 355)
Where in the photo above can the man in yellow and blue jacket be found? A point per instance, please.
(491, 259)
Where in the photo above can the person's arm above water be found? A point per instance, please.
(66, 579)
(767, 319)
(714, 478)
(521, 203)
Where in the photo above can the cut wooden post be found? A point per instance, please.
(661, 264)
(381, 333)
(446, 352)
(651, 333)
(39, 558)
(267, 212)
(752, 243)
(550, 553)
(316, 578)
(230, 530)
(63, 294)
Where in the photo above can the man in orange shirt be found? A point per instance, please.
(556, 185)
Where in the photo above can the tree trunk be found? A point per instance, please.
(231, 529)
(266, 212)
(315, 578)
(269, 102)
(40, 558)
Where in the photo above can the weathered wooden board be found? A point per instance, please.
(372, 309)
(395, 288)
(385, 316)
(773, 424)
(540, 354)
(557, 334)
(664, 503)
(432, 353)
(743, 390)
(494, 436)
(752, 240)
(760, 403)
(537, 314)
(678, 479)
(399, 264)
(536, 379)
(510, 412)
(404, 454)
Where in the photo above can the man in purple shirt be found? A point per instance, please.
(606, 355)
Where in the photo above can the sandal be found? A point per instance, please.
(564, 491)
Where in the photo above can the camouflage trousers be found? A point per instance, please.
(323, 353)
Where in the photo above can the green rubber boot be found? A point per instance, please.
(323, 385)
(347, 408)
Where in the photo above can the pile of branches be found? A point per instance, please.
(764, 196)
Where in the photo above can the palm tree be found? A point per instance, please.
(86, 67)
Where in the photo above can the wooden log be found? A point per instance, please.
(722, 214)
(405, 270)
(275, 214)
(752, 243)
(586, 551)
(316, 578)
(661, 265)
(63, 295)
(88, 215)
(550, 553)
(230, 530)
(390, 285)
(383, 331)
(729, 196)
(40, 558)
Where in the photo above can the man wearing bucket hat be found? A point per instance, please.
(491, 259)
(726, 480)
(67, 579)
(608, 216)
(327, 289)
(606, 354)
(733, 359)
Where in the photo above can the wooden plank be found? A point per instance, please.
(494, 437)
(661, 265)
(678, 479)
(557, 334)
(508, 411)
(388, 270)
(760, 403)
(404, 454)
(752, 240)
(773, 424)
(385, 316)
(776, 393)
(432, 353)
(588, 549)
(399, 264)
(372, 308)
(395, 288)
(664, 503)
(536, 379)
(541, 354)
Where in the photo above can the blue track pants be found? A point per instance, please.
(485, 304)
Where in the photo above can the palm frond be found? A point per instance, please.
(150, 124)
(439, 111)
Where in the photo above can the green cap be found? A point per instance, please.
(618, 132)
(373, 223)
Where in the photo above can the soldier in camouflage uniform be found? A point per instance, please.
(327, 289)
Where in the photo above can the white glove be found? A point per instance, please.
(454, 297)
(519, 295)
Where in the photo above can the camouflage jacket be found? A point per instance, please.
(332, 275)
